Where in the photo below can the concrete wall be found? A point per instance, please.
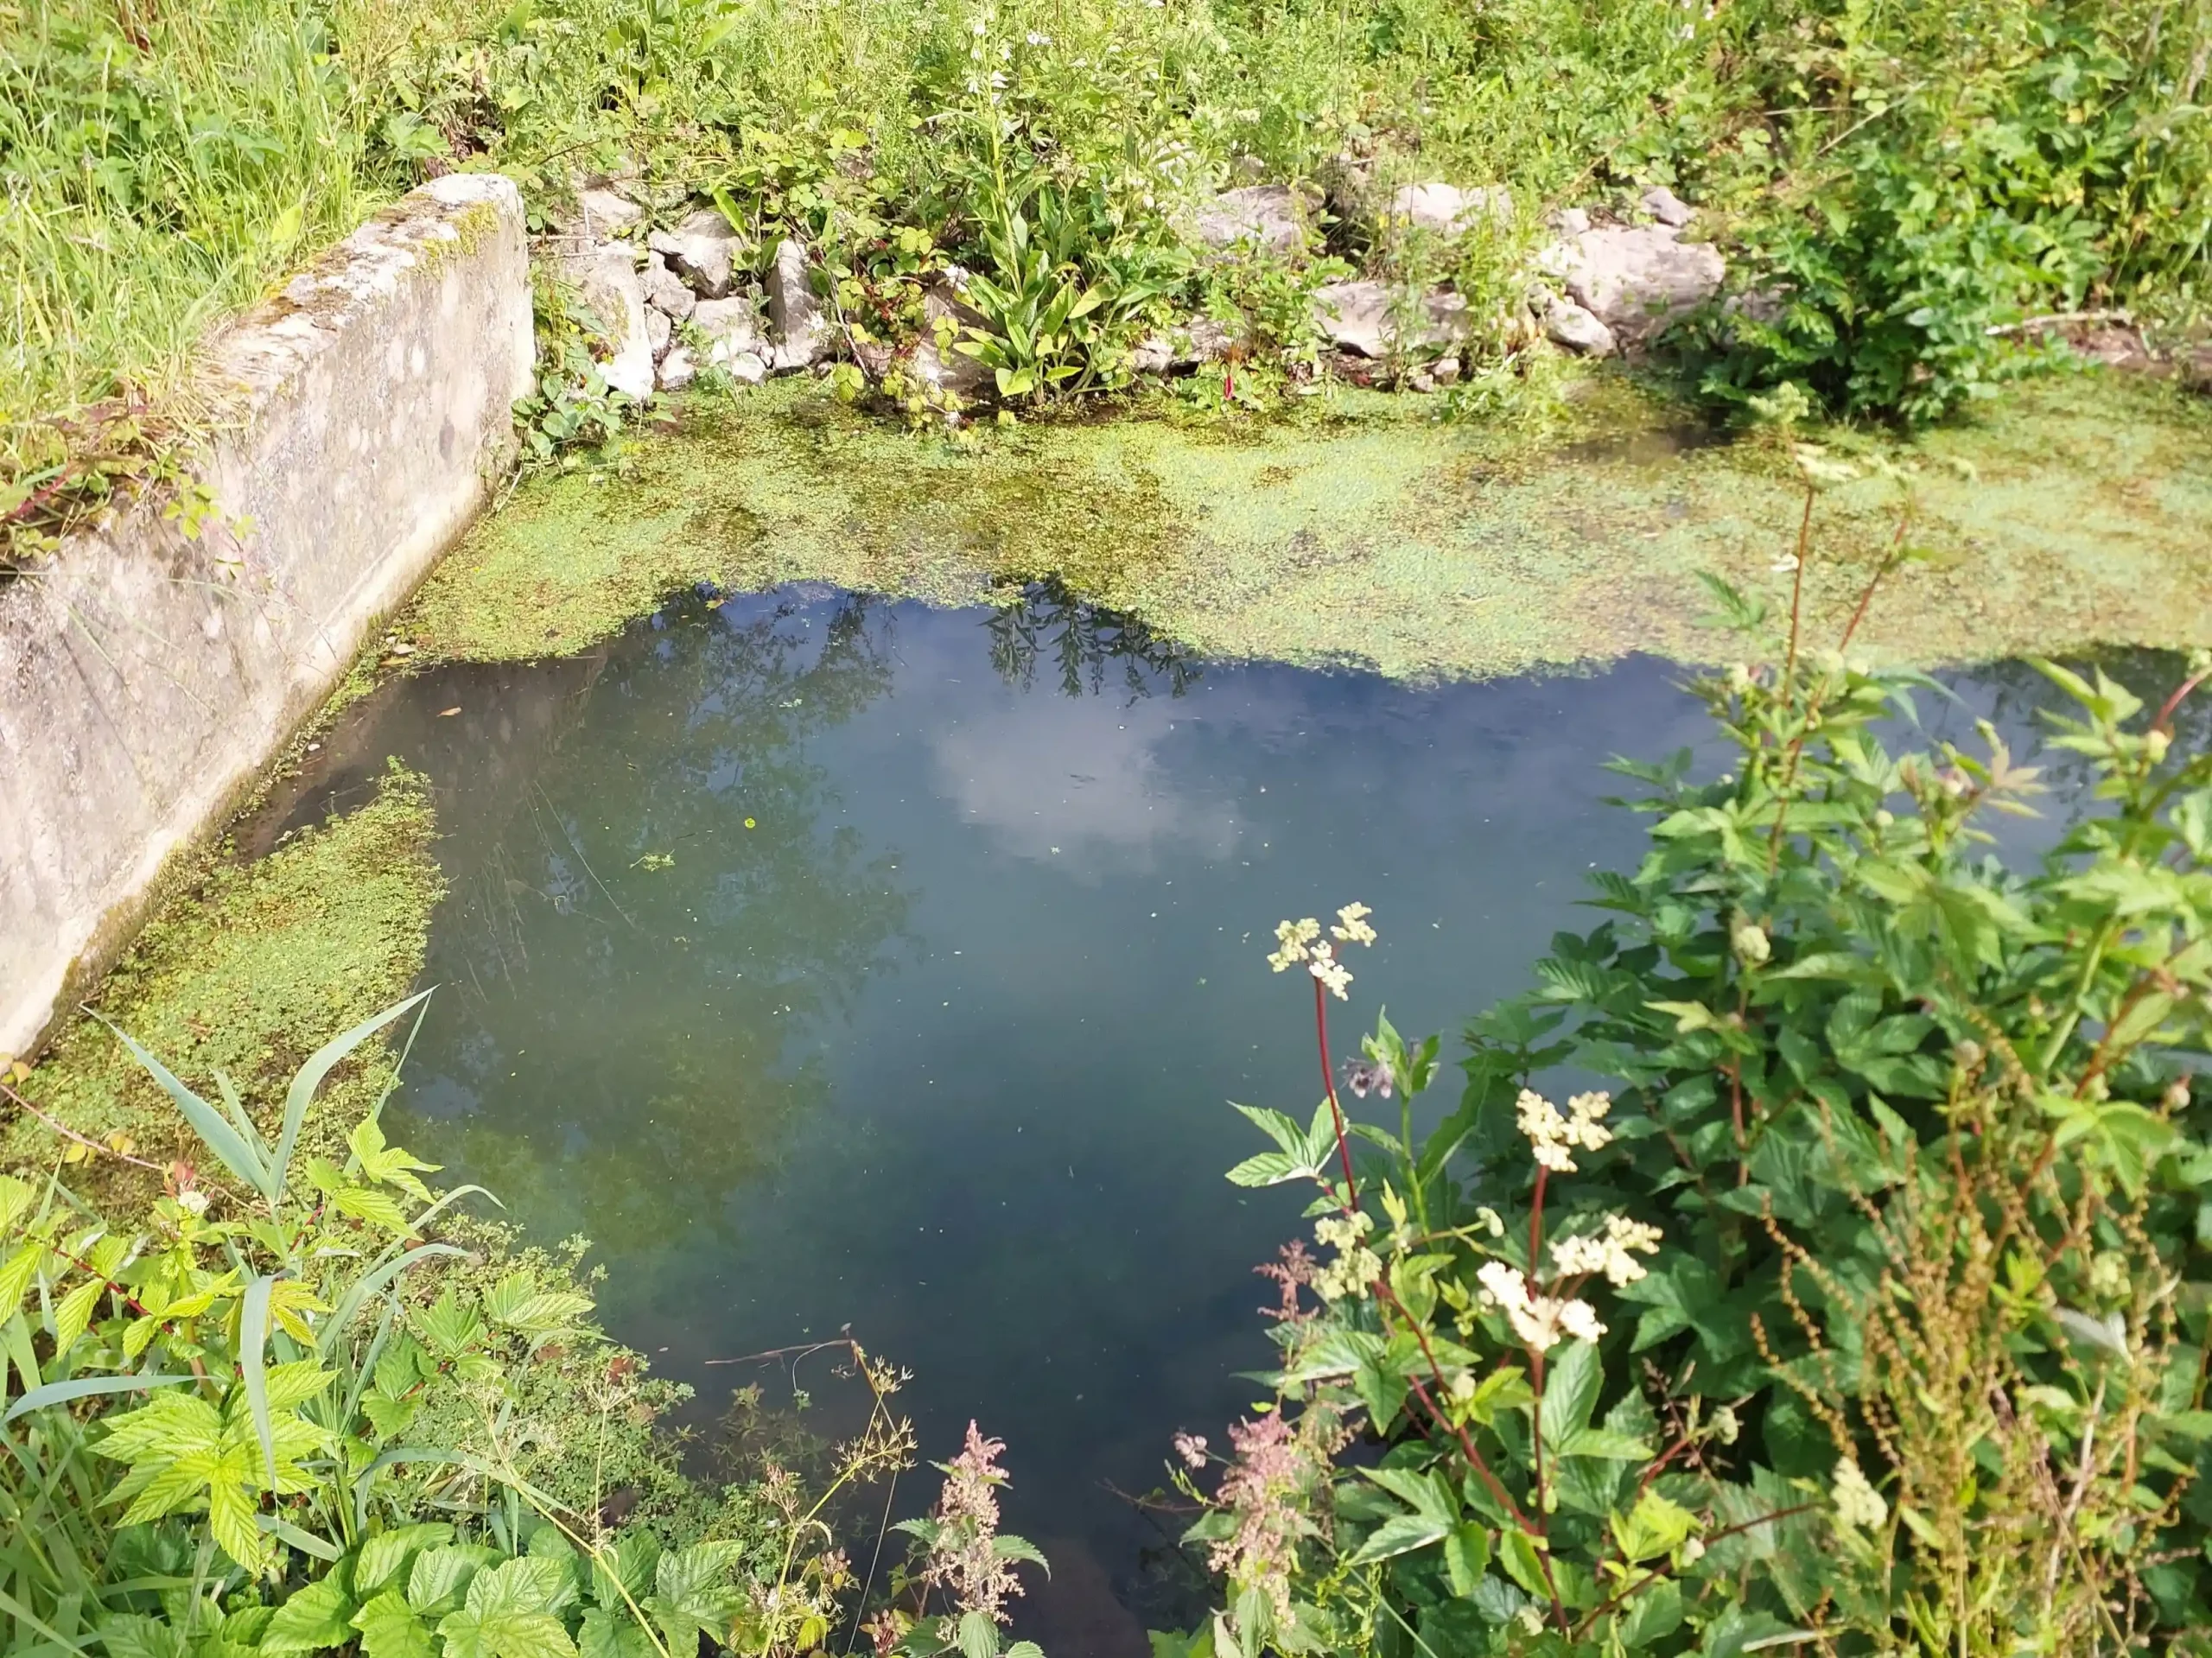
(147, 676)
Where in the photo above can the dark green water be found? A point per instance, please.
(835, 962)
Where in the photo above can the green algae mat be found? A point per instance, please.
(1368, 531)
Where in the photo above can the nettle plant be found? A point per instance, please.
(1873, 1314)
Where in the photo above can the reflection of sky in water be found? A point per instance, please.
(938, 1046)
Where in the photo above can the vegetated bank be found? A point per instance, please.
(1085, 193)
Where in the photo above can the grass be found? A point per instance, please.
(162, 165)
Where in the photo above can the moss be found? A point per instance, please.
(2079, 513)
(249, 972)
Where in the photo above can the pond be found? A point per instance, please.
(837, 963)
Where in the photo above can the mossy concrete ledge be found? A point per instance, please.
(158, 663)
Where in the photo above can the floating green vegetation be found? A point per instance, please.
(2079, 513)
(247, 976)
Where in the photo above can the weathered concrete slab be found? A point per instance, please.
(147, 674)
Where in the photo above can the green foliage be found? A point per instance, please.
(227, 1430)
(1897, 1194)
(1937, 174)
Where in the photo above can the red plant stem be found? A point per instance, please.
(1329, 1087)
(1535, 1354)
(1387, 1297)
(68, 1132)
(2166, 709)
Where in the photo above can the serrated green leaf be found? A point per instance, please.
(389, 1629)
(315, 1617)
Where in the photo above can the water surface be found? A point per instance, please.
(834, 962)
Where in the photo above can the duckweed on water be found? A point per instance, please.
(2079, 513)
(249, 974)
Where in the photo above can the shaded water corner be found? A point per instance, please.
(247, 970)
(2075, 511)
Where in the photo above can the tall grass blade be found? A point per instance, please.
(62, 1393)
(370, 1284)
(310, 1076)
(253, 1345)
(244, 1160)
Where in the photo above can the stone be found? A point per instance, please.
(665, 291)
(802, 328)
(1576, 328)
(1570, 221)
(658, 329)
(1356, 315)
(702, 249)
(678, 368)
(952, 369)
(1445, 371)
(746, 367)
(1270, 216)
(1666, 207)
(729, 326)
(607, 287)
(1446, 210)
(1202, 340)
(607, 211)
(149, 678)
(1636, 279)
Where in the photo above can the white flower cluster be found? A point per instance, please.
(1857, 1502)
(1301, 940)
(1538, 1320)
(1554, 1137)
(1611, 1252)
(1356, 1266)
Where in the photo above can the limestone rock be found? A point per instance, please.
(678, 368)
(729, 326)
(704, 250)
(746, 367)
(1570, 221)
(1637, 279)
(952, 369)
(658, 329)
(1356, 315)
(1666, 207)
(665, 291)
(1446, 210)
(607, 288)
(1571, 326)
(607, 211)
(1202, 340)
(802, 328)
(1271, 216)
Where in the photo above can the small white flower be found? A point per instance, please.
(192, 1203)
(1352, 927)
(1038, 37)
(1552, 1137)
(1334, 976)
(1580, 1319)
(1857, 1502)
(1785, 565)
(1295, 937)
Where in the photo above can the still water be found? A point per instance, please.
(834, 962)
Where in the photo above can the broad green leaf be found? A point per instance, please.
(1571, 1384)
(248, 1162)
(389, 1629)
(389, 1556)
(133, 1634)
(979, 1636)
(316, 1617)
(505, 1634)
(1466, 1557)
(1651, 1615)
(1399, 1534)
(440, 1577)
(610, 1634)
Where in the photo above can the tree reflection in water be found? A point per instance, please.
(1045, 621)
